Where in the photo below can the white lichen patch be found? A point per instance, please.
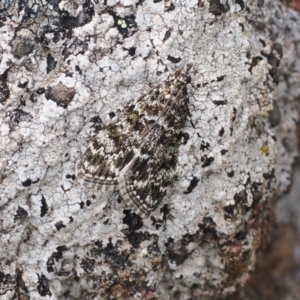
(73, 77)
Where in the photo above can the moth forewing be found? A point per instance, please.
(137, 154)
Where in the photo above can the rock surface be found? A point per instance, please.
(67, 69)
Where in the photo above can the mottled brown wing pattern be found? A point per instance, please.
(137, 155)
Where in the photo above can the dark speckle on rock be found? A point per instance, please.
(51, 63)
(43, 286)
(133, 220)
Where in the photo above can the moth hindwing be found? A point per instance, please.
(137, 154)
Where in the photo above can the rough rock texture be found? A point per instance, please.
(277, 276)
(66, 70)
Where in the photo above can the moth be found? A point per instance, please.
(137, 154)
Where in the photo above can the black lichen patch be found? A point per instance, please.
(173, 59)
(55, 257)
(223, 151)
(220, 102)
(126, 26)
(136, 238)
(230, 174)
(85, 15)
(40, 91)
(69, 176)
(169, 6)
(133, 220)
(241, 198)
(255, 61)
(22, 84)
(256, 194)
(96, 119)
(178, 254)
(167, 34)
(88, 265)
(4, 90)
(18, 115)
(208, 229)
(78, 69)
(193, 184)
(209, 223)
(270, 177)
(21, 215)
(153, 249)
(241, 4)
(32, 98)
(59, 22)
(220, 78)
(59, 225)
(216, 8)
(165, 210)
(51, 63)
(112, 115)
(274, 59)
(117, 258)
(134, 223)
(44, 207)
(43, 286)
(204, 146)
(2, 20)
(229, 210)
(27, 182)
(221, 131)
(184, 137)
(60, 94)
(7, 282)
(234, 113)
(206, 161)
(159, 222)
(200, 4)
(131, 51)
(241, 202)
(56, 37)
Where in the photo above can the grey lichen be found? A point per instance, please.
(67, 70)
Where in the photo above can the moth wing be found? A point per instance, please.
(111, 151)
(100, 165)
(145, 181)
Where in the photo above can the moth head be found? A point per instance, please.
(182, 76)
